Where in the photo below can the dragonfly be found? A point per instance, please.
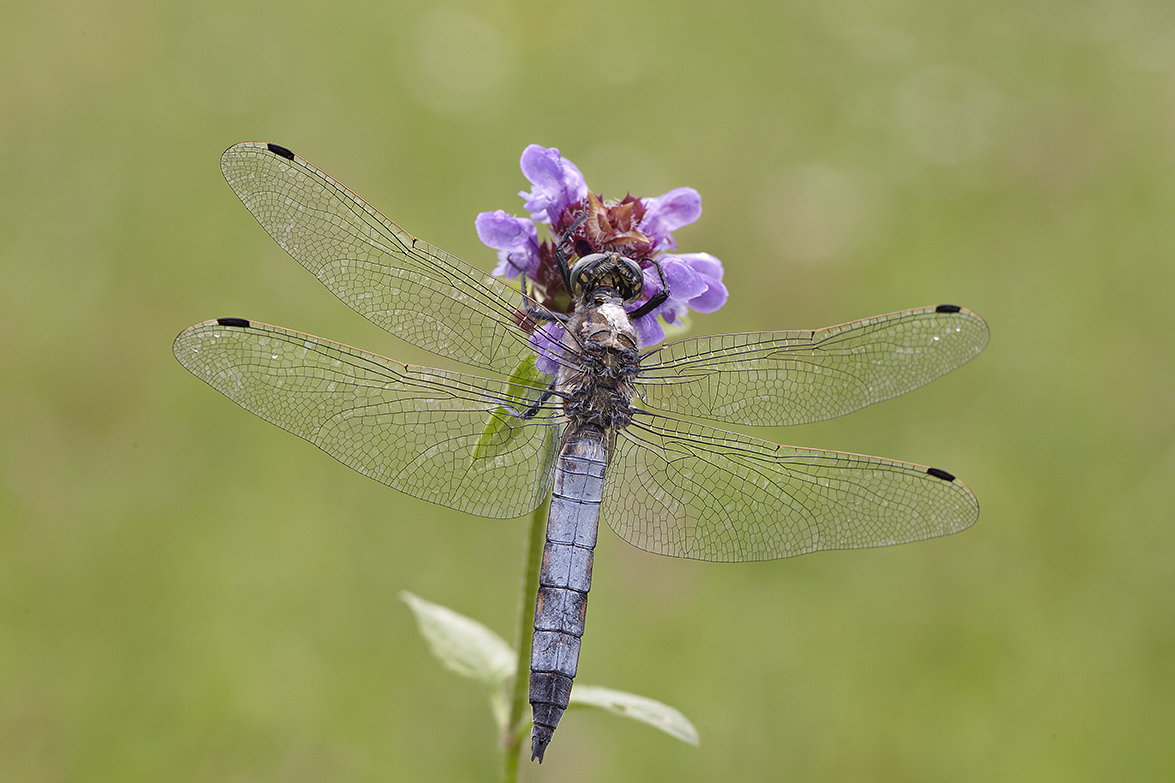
(615, 433)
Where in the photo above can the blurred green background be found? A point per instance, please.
(190, 594)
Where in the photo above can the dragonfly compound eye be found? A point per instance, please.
(607, 270)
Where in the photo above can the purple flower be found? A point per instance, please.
(637, 228)
(665, 214)
(515, 239)
(547, 339)
(557, 183)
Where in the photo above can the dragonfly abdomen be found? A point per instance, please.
(565, 578)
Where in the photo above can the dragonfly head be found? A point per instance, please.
(600, 274)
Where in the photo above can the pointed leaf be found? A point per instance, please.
(496, 437)
(641, 708)
(502, 426)
(526, 378)
(461, 644)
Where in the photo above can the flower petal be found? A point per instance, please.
(547, 341)
(708, 269)
(694, 282)
(704, 264)
(652, 281)
(684, 283)
(515, 239)
(665, 214)
(714, 297)
(557, 183)
(648, 331)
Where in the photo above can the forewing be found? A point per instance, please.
(444, 437)
(687, 490)
(795, 377)
(416, 291)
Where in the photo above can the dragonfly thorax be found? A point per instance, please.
(596, 383)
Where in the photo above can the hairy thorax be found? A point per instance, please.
(598, 388)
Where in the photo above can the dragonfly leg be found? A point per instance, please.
(538, 312)
(538, 404)
(657, 299)
(561, 257)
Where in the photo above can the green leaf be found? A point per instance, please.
(495, 438)
(472, 650)
(654, 713)
(461, 644)
(526, 383)
(526, 378)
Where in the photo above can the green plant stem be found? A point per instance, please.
(514, 731)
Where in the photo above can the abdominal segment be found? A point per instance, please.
(565, 578)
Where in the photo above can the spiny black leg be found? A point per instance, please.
(535, 310)
(543, 315)
(560, 257)
(534, 408)
(657, 299)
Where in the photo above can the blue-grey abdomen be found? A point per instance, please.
(565, 578)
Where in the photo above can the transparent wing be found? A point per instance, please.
(687, 490)
(795, 377)
(444, 437)
(416, 291)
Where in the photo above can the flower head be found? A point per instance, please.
(637, 228)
